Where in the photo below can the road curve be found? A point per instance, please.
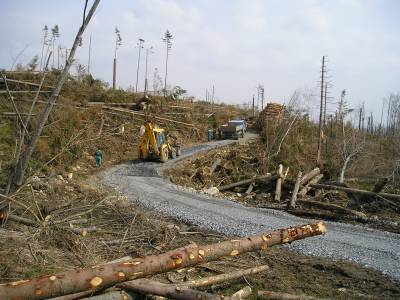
(142, 183)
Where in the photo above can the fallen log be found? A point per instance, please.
(385, 196)
(202, 282)
(250, 188)
(292, 203)
(146, 286)
(308, 187)
(334, 207)
(226, 187)
(93, 278)
(310, 175)
(143, 115)
(243, 293)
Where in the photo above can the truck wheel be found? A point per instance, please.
(164, 155)
(173, 153)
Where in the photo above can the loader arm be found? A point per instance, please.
(151, 137)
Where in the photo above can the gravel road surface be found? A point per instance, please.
(142, 183)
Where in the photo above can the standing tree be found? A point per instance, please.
(55, 34)
(44, 42)
(118, 42)
(33, 63)
(157, 81)
(352, 141)
(167, 39)
(17, 177)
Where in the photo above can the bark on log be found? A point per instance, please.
(310, 175)
(246, 181)
(145, 287)
(278, 188)
(292, 203)
(250, 188)
(386, 196)
(308, 187)
(102, 276)
(334, 207)
(283, 296)
(202, 282)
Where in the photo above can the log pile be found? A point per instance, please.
(124, 274)
(273, 111)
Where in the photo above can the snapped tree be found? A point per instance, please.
(22, 163)
(167, 39)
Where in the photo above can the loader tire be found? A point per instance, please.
(164, 155)
(173, 153)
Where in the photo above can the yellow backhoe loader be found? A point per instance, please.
(154, 144)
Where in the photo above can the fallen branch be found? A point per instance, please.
(146, 286)
(93, 278)
(246, 181)
(382, 196)
(143, 115)
(334, 207)
(202, 282)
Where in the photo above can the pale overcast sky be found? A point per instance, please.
(232, 44)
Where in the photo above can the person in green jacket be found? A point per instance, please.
(98, 155)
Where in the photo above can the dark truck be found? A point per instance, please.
(232, 130)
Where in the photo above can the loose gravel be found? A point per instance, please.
(143, 183)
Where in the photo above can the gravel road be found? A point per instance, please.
(142, 183)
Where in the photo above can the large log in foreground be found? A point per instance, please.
(105, 275)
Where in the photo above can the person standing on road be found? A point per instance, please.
(98, 155)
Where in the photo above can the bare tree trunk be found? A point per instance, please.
(344, 167)
(19, 172)
(93, 278)
(278, 188)
(292, 203)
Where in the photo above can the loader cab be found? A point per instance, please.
(160, 137)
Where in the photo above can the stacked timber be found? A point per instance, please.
(273, 111)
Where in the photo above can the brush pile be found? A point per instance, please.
(243, 173)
